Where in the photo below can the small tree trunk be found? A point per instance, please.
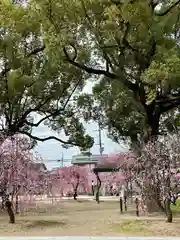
(131, 192)
(75, 194)
(121, 204)
(125, 203)
(92, 189)
(16, 205)
(137, 207)
(10, 211)
(76, 188)
(98, 187)
(168, 210)
(97, 196)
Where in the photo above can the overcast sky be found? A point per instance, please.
(52, 150)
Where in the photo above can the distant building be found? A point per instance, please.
(40, 167)
(88, 160)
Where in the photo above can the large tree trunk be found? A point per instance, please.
(151, 198)
(150, 133)
(154, 205)
(151, 128)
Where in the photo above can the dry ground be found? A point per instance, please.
(86, 219)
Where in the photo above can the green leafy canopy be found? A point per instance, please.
(135, 46)
(34, 78)
(49, 49)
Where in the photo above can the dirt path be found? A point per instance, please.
(70, 219)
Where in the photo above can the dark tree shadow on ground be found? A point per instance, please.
(45, 223)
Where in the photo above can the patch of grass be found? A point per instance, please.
(176, 209)
(136, 225)
(133, 227)
(147, 228)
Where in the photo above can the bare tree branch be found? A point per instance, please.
(36, 50)
(44, 139)
(169, 103)
(90, 70)
(55, 113)
(98, 38)
(21, 121)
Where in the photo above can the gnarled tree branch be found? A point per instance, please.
(90, 70)
(168, 103)
(55, 113)
(46, 138)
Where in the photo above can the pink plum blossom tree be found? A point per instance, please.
(77, 178)
(117, 162)
(154, 172)
(16, 171)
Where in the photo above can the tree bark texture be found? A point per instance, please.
(151, 128)
(10, 211)
(121, 204)
(125, 203)
(75, 195)
(98, 188)
(151, 198)
(137, 206)
(16, 204)
(76, 188)
(168, 210)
